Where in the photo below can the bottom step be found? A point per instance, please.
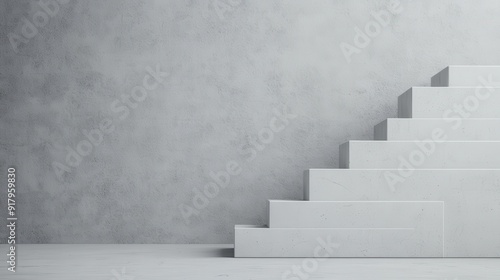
(346, 229)
(262, 242)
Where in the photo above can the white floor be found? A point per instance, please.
(137, 262)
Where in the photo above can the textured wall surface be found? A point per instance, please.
(261, 89)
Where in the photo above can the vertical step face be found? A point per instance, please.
(261, 242)
(354, 214)
(471, 200)
(454, 129)
(344, 155)
(381, 130)
(465, 76)
(445, 102)
(425, 154)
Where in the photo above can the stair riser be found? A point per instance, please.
(356, 214)
(315, 243)
(425, 154)
(471, 200)
(464, 76)
(420, 102)
(456, 130)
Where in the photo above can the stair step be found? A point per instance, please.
(449, 102)
(261, 242)
(423, 154)
(464, 76)
(354, 214)
(471, 199)
(455, 129)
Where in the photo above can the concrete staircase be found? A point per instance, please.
(428, 186)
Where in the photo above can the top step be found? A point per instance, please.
(467, 76)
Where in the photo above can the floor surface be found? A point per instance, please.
(137, 262)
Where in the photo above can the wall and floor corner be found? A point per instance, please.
(171, 121)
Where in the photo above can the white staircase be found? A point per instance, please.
(428, 186)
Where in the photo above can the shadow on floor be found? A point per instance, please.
(224, 252)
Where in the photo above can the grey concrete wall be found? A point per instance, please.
(256, 92)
